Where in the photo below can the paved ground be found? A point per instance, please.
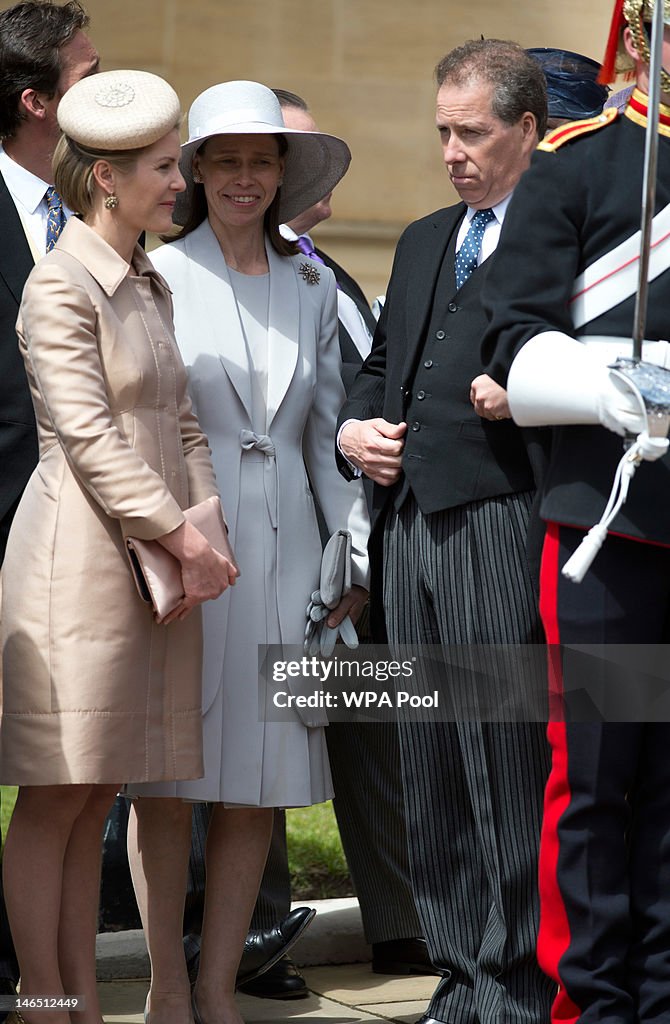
(338, 994)
(340, 991)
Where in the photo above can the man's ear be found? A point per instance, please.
(529, 128)
(33, 104)
(629, 44)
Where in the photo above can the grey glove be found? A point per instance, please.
(320, 638)
(335, 584)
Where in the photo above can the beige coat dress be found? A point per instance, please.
(93, 690)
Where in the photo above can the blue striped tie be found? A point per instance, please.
(55, 217)
(468, 254)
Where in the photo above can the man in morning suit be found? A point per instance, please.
(43, 51)
(605, 849)
(448, 548)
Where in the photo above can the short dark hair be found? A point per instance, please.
(517, 86)
(197, 213)
(290, 99)
(31, 36)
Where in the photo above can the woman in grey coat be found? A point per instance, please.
(257, 327)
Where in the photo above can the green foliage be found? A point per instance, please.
(318, 867)
(7, 798)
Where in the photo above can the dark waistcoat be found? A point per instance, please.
(452, 456)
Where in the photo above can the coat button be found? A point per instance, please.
(416, 426)
(440, 335)
(421, 395)
(452, 307)
(428, 363)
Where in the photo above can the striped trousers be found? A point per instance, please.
(473, 790)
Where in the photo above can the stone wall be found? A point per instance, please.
(365, 67)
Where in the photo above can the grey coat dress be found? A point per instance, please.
(262, 472)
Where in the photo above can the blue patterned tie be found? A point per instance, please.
(55, 217)
(468, 254)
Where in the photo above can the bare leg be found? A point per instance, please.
(237, 847)
(42, 825)
(159, 841)
(79, 903)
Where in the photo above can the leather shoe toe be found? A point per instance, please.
(402, 956)
(282, 981)
(264, 947)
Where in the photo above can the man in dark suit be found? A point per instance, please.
(452, 499)
(44, 51)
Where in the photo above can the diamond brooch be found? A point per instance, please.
(309, 273)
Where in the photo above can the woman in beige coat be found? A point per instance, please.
(96, 692)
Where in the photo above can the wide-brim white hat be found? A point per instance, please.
(119, 110)
(314, 163)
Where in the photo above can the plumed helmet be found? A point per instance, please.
(633, 13)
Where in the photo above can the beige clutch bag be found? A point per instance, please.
(157, 573)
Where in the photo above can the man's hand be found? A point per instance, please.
(352, 605)
(375, 446)
(489, 398)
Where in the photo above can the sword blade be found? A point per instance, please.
(649, 177)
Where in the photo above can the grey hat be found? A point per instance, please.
(119, 110)
(314, 163)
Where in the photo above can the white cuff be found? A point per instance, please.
(354, 469)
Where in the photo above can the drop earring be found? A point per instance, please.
(111, 202)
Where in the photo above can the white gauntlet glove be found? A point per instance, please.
(556, 380)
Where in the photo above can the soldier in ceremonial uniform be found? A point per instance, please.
(566, 270)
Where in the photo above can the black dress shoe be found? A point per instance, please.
(402, 956)
(282, 981)
(263, 947)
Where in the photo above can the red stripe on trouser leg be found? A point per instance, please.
(554, 932)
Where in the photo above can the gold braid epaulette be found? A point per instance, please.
(574, 129)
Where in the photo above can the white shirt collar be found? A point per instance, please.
(499, 210)
(288, 233)
(25, 187)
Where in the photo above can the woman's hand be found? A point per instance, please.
(352, 605)
(205, 572)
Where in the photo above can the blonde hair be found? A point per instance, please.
(73, 171)
(73, 165)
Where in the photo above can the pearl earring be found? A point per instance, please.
(111, 202)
